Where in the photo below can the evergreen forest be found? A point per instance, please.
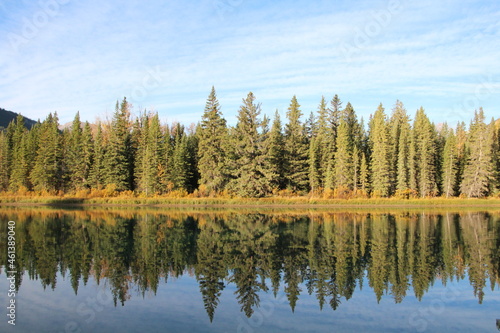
(330, 153)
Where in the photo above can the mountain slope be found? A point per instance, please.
(7, 116)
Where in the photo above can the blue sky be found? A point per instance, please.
(69, 56)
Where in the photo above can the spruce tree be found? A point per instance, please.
(462, 153)
(275, 154)
(450, 165)
(19, 169)
(88, 153)
(380, 157)
(398, 123)
(343, 170)
(116, 159)
(335, 112)
(143, 168)
(423, 155)
(330, 148)
(4, 161)
(180, 172)
(479, 169)
(46, 174)
(296, 150)
(315, 178)
(192, 147)
(404, 161)
(211, 154)
(251, 172)
(364, 173)
(97, 172)
(321, 146)
(74, 158)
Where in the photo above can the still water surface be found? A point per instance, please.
(247, 271)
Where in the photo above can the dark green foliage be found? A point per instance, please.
(74, 158)
(296, 150)
(47, 173)
(18, 157)
(180, 170)
(251, 174)
(330, 150)
(274, 147)
(404, 162)
(343, 158)
(117, 161)
(211, 155)
(96, 172)
(150, 158)
(380, 157)
(423, 155)
(450, 165)
(4, 162)
(398, 148)
(479, 169)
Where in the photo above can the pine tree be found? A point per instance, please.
(380, 158)
(150, 157)
(180, 157)
(46, 174)
(404, 161)
(75, 155)
(116, 159)
(88, 153)
(192, 147)
(251, 173)
(343, 170)
(330, 148)
(19, 170)
(356, 167)
(461, 138)
(450, 162)
(423, 151)
(315, 164)
(296, 150)
(335, 112)
(479, 169)
(143, 169)
(4, 161)
(97, 171)
(398, 124)
(496, 150)
(320, 148)
(364, 172)
(275, 154)
(211, 154)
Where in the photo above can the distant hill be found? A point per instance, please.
(7, 116)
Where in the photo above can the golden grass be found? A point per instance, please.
(107, 197)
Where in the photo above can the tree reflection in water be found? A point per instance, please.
(326, 254)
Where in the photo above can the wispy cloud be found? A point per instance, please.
(90, 54)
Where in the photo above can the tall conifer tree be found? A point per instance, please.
(450, 164)
(211, 152)
(117, 160)
(296, 150)
(380, 158)
(251, 172)
(479, 169)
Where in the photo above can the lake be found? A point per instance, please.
(244, 270)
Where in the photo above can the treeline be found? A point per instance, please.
(331, 154)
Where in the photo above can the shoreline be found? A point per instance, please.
(273, 202)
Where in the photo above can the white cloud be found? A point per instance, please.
(429, 54)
